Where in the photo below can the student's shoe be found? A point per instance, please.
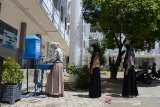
(60, 95)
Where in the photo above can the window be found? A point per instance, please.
(92, 29)
(55, 3)
(68, 29)
(84, 44)
(61, 13)
(69, 5)
(65, 23)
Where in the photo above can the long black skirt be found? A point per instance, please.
(95, 84)
(129, 84)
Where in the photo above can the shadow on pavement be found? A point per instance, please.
(113, 88)
(115, 95)
(82, 96)
(154, 83)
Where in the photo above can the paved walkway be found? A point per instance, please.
(149, 96)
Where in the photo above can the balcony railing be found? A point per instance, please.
(55, 18)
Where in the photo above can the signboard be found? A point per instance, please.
(8, 36)
(9, 40)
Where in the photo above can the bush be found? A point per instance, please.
(84, 78)
(72, 69)
(12, 73)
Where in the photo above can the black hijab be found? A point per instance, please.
(129, 52)
(96, 51)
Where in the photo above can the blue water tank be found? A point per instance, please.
(32, 47)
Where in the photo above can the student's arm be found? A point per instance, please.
(53, 58)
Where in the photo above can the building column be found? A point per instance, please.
(22, 39)
(0, 7)
(1, 59)
(76, 35)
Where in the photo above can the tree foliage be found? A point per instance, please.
(138, 20)
(120, 20)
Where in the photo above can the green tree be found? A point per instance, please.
(137, 20)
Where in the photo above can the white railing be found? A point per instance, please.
(96, 35)
(151, 52)
(55, 18)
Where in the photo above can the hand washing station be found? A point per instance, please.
(33, 52)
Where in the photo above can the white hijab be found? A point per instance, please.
(56, 47)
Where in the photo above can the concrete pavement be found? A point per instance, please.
(149, 96)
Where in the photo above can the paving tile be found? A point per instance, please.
(111, 97)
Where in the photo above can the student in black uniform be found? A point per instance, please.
(129, 81)
(95, 79)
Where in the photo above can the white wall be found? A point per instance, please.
(93, 35)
